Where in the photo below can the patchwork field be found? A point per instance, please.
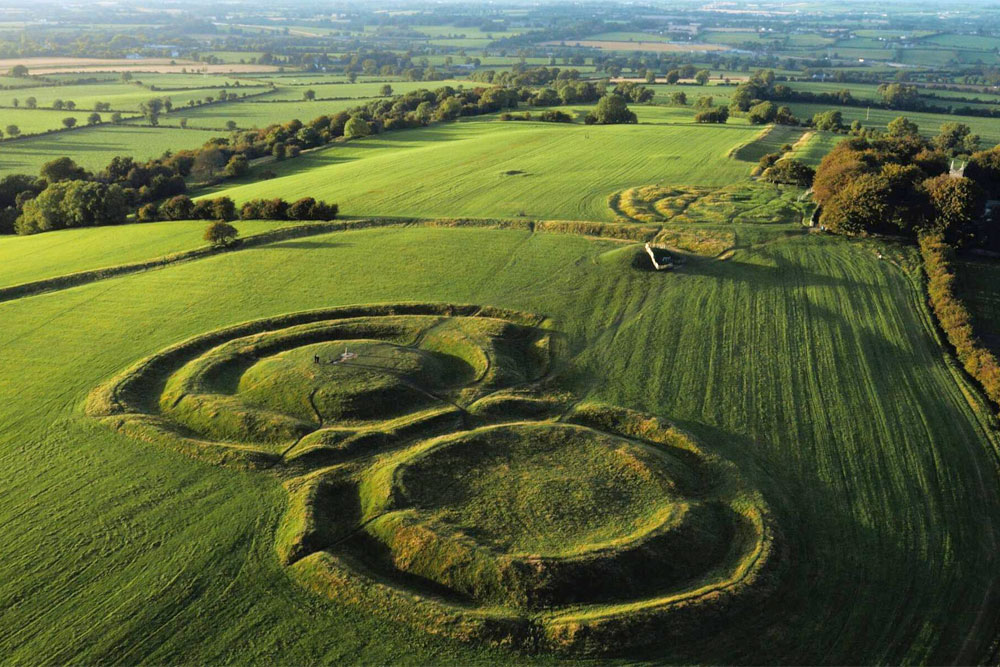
(874, 445)
(486, 168)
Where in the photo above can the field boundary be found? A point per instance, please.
(601, 230)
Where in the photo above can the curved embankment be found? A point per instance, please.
(438, 476)
(625, 232)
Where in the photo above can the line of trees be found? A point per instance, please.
(901, 185)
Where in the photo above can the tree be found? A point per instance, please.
(546, 97)
(357, 127)
(73, 204)
(221, 234)
(903, 127)
(650, 76)
(147, 213)
(237, 166)
(957, 204)
(900, 96)
(177, 208)
(19, 71)
(223, 208)
(12, 130)
(702, 77)
(831, 121)
(116, 117)
(385, 91)
(956, 138)
(719, 115)
(679, 98)
(611, 110)
(62, 169)
(309, 95)
(762, 113)
(58, 104)
(231, 125)
(704, 102)
(69, 122)
(278, 150)
(983, 168)
(673, 76)
(30, 102)
(859, 208)
(93, 119)
(789, 171)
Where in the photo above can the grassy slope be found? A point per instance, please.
(458, 169)
(94, 147)
(28, 258)
(805, 361)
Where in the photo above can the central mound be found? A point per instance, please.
(350, 380)
(540, 489)
(530, 515)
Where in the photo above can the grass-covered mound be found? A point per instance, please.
(744, 202)
(597, 533)
(251, 394)
(448, 482)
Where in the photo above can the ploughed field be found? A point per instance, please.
(773, 444)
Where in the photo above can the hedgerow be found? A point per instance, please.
(953, 316)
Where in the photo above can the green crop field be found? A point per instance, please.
(806, 362)
(94, 147)
(486, 168)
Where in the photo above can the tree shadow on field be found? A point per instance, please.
(833, 573)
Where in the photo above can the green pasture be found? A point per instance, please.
(31, 121)
(358, 90)
(121, 96)
(487, 168)
(805, 360)
(817, 145)
(94, 147)
(930, 123)
(255, 114)
(771, 139)
(29, 258)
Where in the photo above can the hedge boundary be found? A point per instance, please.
(954, 317)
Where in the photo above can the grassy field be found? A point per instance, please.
(255, 114)
(930, 123)
(121, 96)
(804, 359)
(31, 121)
(29, 258)
(94, 147)
(370, 89)
(486, 168)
